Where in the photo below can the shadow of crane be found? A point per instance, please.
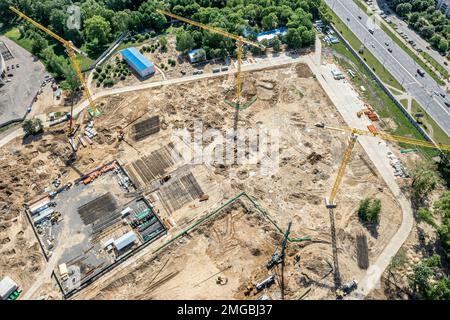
(336, 273)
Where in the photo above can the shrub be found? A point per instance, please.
(32, 126)
(369, 210)
(108, 82)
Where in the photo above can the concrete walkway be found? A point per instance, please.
(346, 100)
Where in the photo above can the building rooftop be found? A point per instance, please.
(125, 240)
(269, 35)
(136, 58)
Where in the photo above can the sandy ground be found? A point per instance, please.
(289, 99)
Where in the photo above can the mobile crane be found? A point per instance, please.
(71, 49)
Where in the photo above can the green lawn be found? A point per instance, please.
(368, 57)
(438, 134)
(377, 98)
(435, 64)
(84, 62)
(14, 34)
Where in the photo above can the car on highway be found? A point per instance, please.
(359, 17)
(371, 31)
(390, 50)
(445, 62)
(421, 73)
(442, 95)
(387, 44)
(447, 104)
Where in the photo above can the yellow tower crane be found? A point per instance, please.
(71, 49)
(330, 202)
(240, 41)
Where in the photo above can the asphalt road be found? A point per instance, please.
(16, 96)
(380, 6)
(404, 69)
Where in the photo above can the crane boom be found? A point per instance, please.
(341, 171)
(355, 132)
(239, 43)
(388, 137)
(212, 29)
(70, 50)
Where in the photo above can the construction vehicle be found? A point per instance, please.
(330, 201)
(240, 41)
(265, 283)
(278, 258)
(346, 289)
(71, 49)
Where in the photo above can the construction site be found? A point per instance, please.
(110, 205)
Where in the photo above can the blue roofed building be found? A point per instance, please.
(271, 34)
(196, 55)
(138, 62)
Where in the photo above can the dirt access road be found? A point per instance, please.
(261, 63)
(347, 102)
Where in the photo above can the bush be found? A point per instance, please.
(98, 69)
(152, 34)
(369, 210)
(96, 74)
(108, 82)
(147, 36)
(32, 126)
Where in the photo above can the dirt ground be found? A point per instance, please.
(290, 100)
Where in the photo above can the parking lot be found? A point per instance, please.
(22, 82)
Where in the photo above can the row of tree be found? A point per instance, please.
(429, 22)
(93, 24)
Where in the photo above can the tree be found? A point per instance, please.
(424, 282)
(294, 39)
(185, 41)
(442, 207)
(369, 210)
(403, 9)
(423, 180)
(270, 21)
(97, 28)
(276, 45)
(426, 215)
(32, 126)
(442, 45)
(39, 44)
(163, 43)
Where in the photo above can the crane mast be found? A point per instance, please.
(240, 41)
(71, 49)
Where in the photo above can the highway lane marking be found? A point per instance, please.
(364, 28)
